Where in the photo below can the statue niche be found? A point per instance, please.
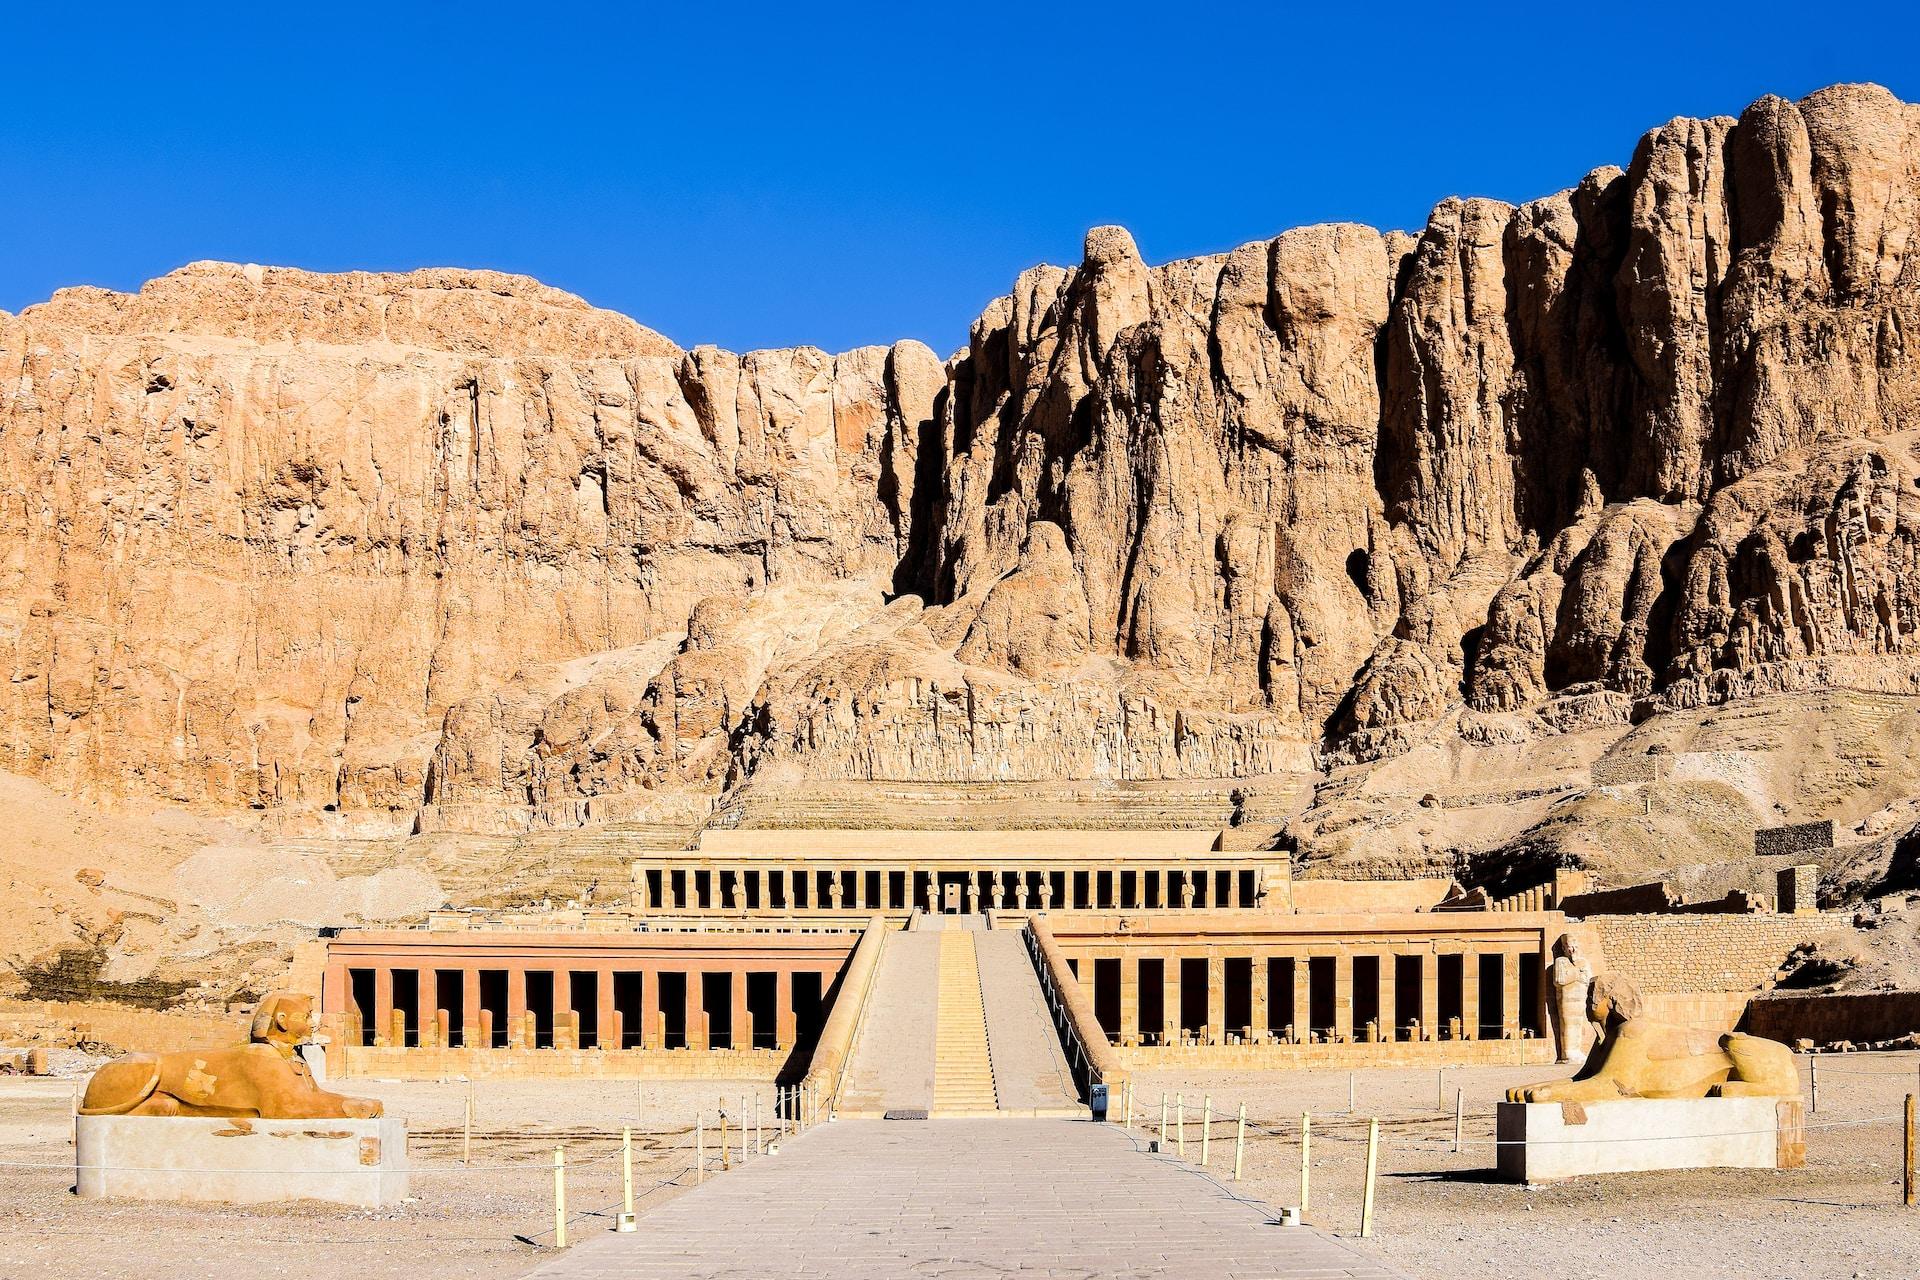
(264, 1078)
(1641, 1057)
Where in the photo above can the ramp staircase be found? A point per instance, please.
(962, 1061)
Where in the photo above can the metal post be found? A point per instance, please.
(1306, 1162)
(1907, 1182)
(1440, 1089)
(759, 1143)
(1240, 1142)
(700, 1148)
(726, 1155)
(466, 1134)
(1180, 1124)
(743, 1129)
(626, 1169)
(1163, 1122)
(1813, 1069)
(1350, 1093)
(1459, 1116)
(1206, 1131)
(1373, 1165)
(559, 1197)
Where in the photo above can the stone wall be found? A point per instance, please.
(1830, 1018)
(1801, 837)
(1700, 970)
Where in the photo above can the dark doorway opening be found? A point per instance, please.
(360, 985)
(628, 1002)
(1193, 994)
(763, 1001)
(673, 1009)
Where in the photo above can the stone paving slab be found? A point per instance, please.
(861, 1199)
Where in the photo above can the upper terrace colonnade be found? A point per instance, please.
(896, 872)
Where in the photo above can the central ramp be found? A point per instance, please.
(962, 1066)
(961, 1198)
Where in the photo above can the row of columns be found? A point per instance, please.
(476, 1023)
(902, 887)
(1385, 1028)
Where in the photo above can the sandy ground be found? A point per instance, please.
(1440, 1216)
(463, 1221)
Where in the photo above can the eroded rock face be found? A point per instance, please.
(453, 547)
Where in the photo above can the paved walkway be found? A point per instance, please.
(960, 1198)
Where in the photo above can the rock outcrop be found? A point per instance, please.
(452, 550)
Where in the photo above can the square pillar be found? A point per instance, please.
(1302, 997)
(1129, 998)
(650, 1009)
(517, 1008)
(1216, 998)
(383, 1006)
(785, 1025)
(605, 1010)
(1258, 1003)
(1510, 995)
(742, 1026)
(1389, 999)
(1343, 1028)
(1470, 995)
(695, 1018)
(470, 1009)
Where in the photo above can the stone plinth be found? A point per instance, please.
(1541, 1142)
(197, 1158)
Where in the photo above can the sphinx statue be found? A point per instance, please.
(1641, 1057)
(264, 1078)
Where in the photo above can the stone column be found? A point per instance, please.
(1470, 995)
(834, 889)
(1389, 998)
(1216, 998)
(785, 1025)
(383, 1006)
(1258, 1012)
(517, 1007)
(1302, 997)
(1509, 995)
(1343, 1028)
(1186, 888)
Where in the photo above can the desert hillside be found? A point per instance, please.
(1574, 533)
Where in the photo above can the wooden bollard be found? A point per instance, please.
(1459, 1117)
(1306, 1162)
(466, 1134)
(700, 1148)
(559, 1197)
(1813, 1070)
(726, 1157)
(1206, 1131)
(1240, 1142)
(743, 1129)
(1180, 1123)
(1163, 1122)
(1373, 1165)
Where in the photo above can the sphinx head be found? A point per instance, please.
(283, 1018)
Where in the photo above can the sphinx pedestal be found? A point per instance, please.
(197, 1158)
(1543, 1141)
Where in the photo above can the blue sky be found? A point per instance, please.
(771, 175)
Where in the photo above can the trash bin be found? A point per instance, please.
(1097, 1101)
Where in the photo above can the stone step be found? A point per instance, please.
(963, 1069)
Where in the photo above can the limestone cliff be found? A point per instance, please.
(452, 550)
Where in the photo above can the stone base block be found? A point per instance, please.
(1541, 1142)
(195, 1158)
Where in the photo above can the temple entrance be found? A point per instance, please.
(950, 899)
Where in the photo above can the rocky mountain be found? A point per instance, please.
(454, 551)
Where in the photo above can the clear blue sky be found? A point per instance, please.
(830, 174)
